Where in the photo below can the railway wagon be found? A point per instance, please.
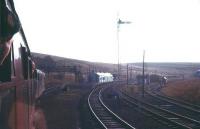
(21, 84)
(104, 77)
(100, 77)
(197, 73)
(153, 78)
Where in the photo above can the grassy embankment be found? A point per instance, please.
(187, 90)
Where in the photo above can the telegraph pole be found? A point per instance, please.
(127, 74)
(143, 74)
(131, 75)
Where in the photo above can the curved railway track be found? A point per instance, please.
(104, 115)
(173, 103)
(155, 97)
(155, 92)
(172, 119)
(187, 104)
(195, 108)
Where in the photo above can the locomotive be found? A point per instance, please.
(21, 84)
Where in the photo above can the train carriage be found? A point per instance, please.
(20, 84)
(100, 77)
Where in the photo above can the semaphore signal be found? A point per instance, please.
(119, 22)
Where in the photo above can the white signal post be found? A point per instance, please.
(119, 22)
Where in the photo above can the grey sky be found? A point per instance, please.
(169, 30)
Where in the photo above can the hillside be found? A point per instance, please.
(179, 69)
(84, 65)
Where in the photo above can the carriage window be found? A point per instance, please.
(5, 69)
(12, 62)
(26, 63)
(24, 58)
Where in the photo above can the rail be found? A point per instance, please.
(119, 118)
(147, 107)
(105, 116)
(102, 124)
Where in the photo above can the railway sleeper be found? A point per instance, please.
(113, 125)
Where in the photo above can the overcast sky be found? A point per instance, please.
(169, 30)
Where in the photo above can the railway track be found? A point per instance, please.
(104, 115)
(194, 111)
(195, 107)
(180, 107)
(171, 119)
(155, 92)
